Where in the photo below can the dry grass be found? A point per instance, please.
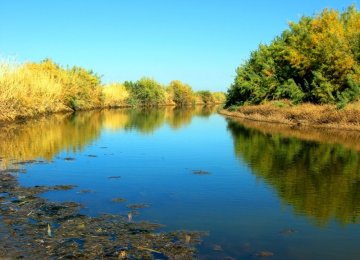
(33, 89)
(26, 93)
(302, 115)
(115, 95)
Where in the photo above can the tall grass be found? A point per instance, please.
(25, 92)
(30, 89)
(37, 88)
(115, 95)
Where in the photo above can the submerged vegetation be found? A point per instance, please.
(31, 89)
(35, 227)
(316, 60)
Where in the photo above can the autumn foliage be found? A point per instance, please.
(31, 89)
(316, 60)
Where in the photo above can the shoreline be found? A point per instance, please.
(344, 135)
(21, 119)
(304, 115)
(47, 229)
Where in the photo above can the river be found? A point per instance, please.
(256, 192)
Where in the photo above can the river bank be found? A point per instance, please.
(305, 115)
(31, 89)
(50, 229)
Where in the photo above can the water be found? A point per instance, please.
(266, 190)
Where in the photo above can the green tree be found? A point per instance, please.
(315, 60)
(181, 93)
(146, 92)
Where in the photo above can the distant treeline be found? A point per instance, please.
(316, 60)
(37, 88)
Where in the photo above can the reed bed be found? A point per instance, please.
(32, 89)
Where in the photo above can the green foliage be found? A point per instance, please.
(36, 88)
(146, 92)
(233, 108)
(316, 60)
(219, 97)
(181, 93)
(84, 86)
(206, 96)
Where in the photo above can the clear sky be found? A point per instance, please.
(200, 42)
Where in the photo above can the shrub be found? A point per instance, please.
(219, 97)
(206, 97)
(181, 93)
(146, 92)
(35, 88)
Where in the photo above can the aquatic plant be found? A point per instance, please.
(33, 226)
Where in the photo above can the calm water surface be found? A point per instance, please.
(263, 192)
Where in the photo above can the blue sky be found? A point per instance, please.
(197, 41)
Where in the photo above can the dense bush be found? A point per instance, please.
(36, 88)
(206, 97)
(181, 93)
(146, 92)
(219, 97)
(316, 60)
(80, 88)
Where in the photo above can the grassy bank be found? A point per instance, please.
(31, 89)
(321, 116)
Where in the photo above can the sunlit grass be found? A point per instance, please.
(115, 95)
(31, 89)
(27, 93)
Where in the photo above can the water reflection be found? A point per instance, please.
(46, 137)
(319, 180)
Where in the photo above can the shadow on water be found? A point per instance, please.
(320, 180)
